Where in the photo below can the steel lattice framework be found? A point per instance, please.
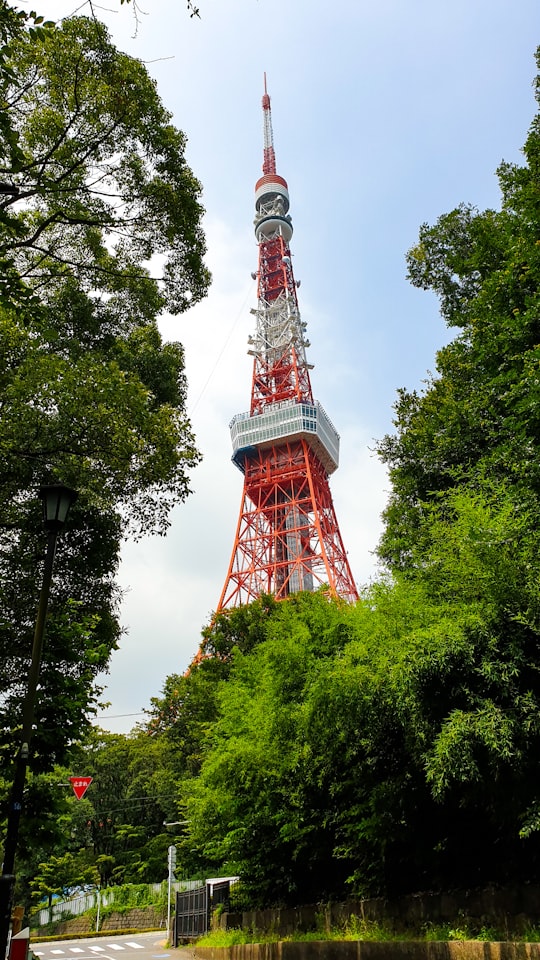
(287, 537)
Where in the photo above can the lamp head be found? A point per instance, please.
(57, 500)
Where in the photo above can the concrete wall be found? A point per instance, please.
(372, 950)
(509, 910)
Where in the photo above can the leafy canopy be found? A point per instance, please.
(102, 182)
(101, 196)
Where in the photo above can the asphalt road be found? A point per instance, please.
(144, 946)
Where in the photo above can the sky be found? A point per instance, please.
(386, 115)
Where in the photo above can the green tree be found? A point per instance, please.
(397, 757)
(102, 181)
(477, 419)
(464, 514)
(59, 874)
(388, 747)
(95, 197)
(90, 394)
(122, 815)
(115, 833)
(243, 811)
(189, 704)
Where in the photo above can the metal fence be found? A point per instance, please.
(75, 905)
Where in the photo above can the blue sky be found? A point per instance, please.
(385, 116)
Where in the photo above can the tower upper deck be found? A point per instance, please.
(287, 420)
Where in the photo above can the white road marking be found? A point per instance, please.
(115, 946)
(97, 949)
(135, 946)
(76, 950)
(94, 954)
(59, 952)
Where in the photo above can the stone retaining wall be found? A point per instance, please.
(138, 918)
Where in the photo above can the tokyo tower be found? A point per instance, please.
(287, 537)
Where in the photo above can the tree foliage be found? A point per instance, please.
(379, 749)
(115, 834)
(477, 420)
(102, 182)
(102, 199)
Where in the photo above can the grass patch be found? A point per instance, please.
(354, 929)
(358, 929)
(229, 938)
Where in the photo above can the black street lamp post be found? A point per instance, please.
(57, 500)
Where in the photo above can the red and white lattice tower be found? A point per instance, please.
(287, 538)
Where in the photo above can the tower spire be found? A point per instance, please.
(269, 157)
(287, 536)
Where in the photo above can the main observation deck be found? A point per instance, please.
(288, 420)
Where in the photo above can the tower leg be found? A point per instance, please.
(287, 538)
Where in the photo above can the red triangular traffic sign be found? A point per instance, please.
(80, 785)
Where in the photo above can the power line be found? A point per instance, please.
(115, 716)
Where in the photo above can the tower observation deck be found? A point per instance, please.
(287, 537)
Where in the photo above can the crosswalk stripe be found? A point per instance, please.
(135, 946)
(76, 950)
(115, 946)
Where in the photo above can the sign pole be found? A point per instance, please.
(172, 865)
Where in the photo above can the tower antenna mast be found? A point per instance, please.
(269, 156)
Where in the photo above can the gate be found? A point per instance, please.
(191, 914)
(221, 893)
(193, 909)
